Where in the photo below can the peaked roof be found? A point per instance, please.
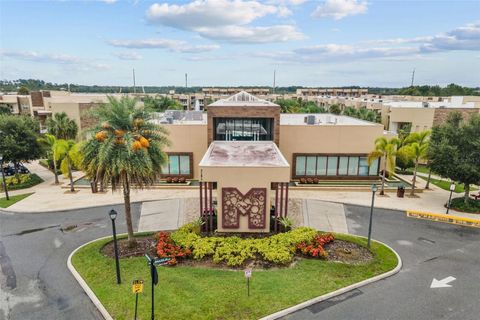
(242, 98)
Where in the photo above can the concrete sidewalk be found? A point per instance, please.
(325, 216)
(48, 197)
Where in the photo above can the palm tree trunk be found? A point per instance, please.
(414, 178)
(72, 189)
(55, 170)
(382, 191)
(17, 175)
(428, 180)
(128, 209)
(467, 193)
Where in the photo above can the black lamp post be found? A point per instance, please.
(452, 188)
(374, 189)
(3, 178)
(113, 215)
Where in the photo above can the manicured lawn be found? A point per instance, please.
(203, 293)
(445, 185)
(4, 203)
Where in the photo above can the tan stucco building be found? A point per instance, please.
(322, 146)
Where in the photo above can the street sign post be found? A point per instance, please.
(161, 261)
(248, 275)
(137, 287)
(154, 277)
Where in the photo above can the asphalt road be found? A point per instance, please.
(34, 280)
(36, 284)
(428, 250)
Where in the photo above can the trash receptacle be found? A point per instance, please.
(400, 191)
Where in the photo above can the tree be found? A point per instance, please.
(68, 152)
(404, 159)
(418, 145)
(335, 109)
(454, 150)
(5, 110)
(385, 149)
(126, 149)
(161, 103)
(23, 91)
(62, 127)
(18, 139)
(51, 143)
(289, 105)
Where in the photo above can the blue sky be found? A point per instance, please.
(241, 42)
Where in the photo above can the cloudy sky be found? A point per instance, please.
(241, 42)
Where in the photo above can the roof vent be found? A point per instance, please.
(310, 119)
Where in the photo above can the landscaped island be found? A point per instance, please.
(206, 278)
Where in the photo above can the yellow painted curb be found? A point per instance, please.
(446, 218)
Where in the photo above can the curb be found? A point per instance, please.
(338, 292)
(272, 316)
(84, 285)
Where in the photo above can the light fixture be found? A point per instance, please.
(112, 214)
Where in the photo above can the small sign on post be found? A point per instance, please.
(137, 287)
(248, 275)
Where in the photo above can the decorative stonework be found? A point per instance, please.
(252, 204)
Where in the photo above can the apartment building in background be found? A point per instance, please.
(396, 111)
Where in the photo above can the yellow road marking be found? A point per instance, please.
(446, 218)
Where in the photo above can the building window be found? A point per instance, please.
(363, 167)
(312, 165)
(243, 129)
(332, 166)
(342, 166)
(178, 164)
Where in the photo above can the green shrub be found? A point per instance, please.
(234, 251)
(472, 206)
(24, 181)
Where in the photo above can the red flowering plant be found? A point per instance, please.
(315, 247)
(166, 248)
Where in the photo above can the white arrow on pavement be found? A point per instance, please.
(444, 283)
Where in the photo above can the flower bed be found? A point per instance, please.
(186, 291)
(234, 251)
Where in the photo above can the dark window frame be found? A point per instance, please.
(186, 176)
(336, 176)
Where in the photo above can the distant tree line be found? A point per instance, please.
(25, 85)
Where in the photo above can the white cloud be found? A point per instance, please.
(398, 49)
(55, 58)
(208, 13)
(109, 1)
(39, 57)
(227, 20)
(339, 9)
(168, 44)
(128, 55)
(241, 34)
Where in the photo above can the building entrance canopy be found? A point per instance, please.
(244, 172)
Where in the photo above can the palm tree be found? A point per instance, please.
(385, 149)
(418, 144)
(62, 127)
(51, 142)
(68, 151)
(126, 149)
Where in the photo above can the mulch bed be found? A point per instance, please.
(143, 245)
(338, 251)
(347, 252)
